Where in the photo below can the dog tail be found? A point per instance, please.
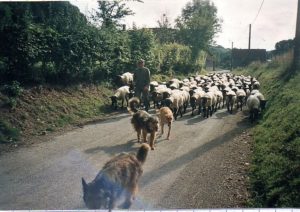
(133, 103)
(142, 153)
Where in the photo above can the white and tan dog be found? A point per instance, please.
(165, 117)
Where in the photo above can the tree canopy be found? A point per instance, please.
(110, 13)
(52, 42)
(283, 46)
(198, 24)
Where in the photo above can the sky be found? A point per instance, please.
(276, 20)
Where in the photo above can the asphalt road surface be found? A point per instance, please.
(48, 175)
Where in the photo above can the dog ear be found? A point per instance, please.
(84, 184)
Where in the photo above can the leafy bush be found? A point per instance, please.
(142, 45)
(7, 133)
(54, 43)
(12, 103)
(13, 90)
(178, 58)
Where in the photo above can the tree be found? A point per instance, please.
(164, 22)
(221, 55)
(283, 46)
(165, 33)
(111, 12)
(142, 44)
(197, 25)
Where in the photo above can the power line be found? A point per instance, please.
(258, 11)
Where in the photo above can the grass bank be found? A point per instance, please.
(40, 110)
(275, 172)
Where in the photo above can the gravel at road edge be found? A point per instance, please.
(229, 163)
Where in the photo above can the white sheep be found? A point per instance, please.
(174, 83)
(175, 102)
(256, 85)
(208, 103)
(196, 100)
(186, 99)
(262, 100)
(219, 100)
(153, 85)
(126, 78)
(230, 100)
(122, 93)
(241, 98)
(260, 96)
(160, 93)
(254, 91)
(185, 88)
(255, 103)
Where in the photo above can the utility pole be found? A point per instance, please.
(296, 62)
(249, 44)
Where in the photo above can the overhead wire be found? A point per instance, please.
(258, 11)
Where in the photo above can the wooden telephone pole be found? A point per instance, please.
(249, 44)
(296, 62)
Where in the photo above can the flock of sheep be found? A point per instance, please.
(206, 93)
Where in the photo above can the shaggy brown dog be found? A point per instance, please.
(118, 177)
(165, 117)
(143, 122)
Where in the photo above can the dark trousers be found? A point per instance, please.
(143, 96)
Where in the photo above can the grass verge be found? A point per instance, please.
(40, 110)
(8, 134)
(275, 172)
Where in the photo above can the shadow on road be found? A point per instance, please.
(222, 114)
(113, 118)
(191, 120)
(198, 118)
(195, 119)
(113, 150)
(188, 157)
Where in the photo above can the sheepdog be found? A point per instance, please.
(143, 122)
(165, 117)
(118, 178)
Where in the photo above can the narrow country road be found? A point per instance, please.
(48, 175)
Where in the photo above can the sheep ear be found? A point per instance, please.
(84, 184)
(264, 101)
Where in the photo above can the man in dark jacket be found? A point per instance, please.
(141, 80)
